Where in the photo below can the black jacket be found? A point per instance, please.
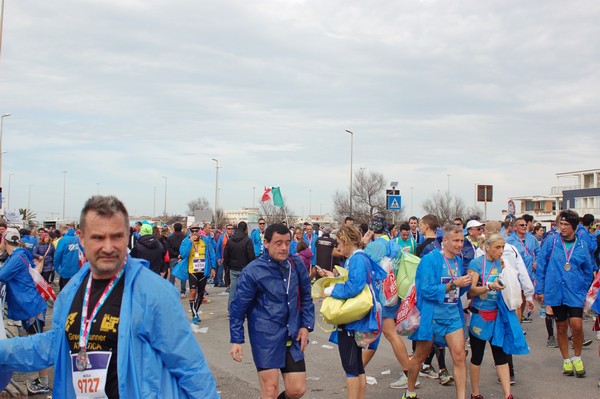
(174, 241)
(238, 252)
(148, 247)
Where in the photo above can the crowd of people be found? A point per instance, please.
(112, 336)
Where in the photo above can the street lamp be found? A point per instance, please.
(29, 199)
(97, 188)
(154, 206)
(216, 187)
(64, 194)
(8, 201)
(165, 210)
(351, 145)
(1, 126)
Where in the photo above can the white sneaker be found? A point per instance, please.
(598, 335)
(402, 383)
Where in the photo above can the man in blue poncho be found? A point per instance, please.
(440, 283)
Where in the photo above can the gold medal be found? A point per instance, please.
(567, 266)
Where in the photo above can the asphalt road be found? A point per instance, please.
(538, 375)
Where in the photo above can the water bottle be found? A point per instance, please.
(542, 311)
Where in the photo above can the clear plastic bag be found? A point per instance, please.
(408, 319)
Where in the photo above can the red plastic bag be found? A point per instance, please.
(390, 289)
(592, 293)
(42, 285)
(408, 318)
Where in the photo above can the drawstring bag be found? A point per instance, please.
(406, 273)
(389, 290)
(408, 319)
(592, 293)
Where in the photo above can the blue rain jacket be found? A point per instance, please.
(257, 241)
(181, 269)
(23, 299)
(561, 287)
(66, 256)
(590, 240)
(29, 242)
(276, 299)
(529, 251)
(158, 355)
(312, 243)
(430, 291)
(508, 333)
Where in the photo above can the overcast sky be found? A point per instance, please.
(119, 93)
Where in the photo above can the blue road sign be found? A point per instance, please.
(394, 202)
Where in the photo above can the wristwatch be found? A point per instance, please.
(487, 287)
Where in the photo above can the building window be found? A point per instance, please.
(529, 206)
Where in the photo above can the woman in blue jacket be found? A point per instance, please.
(485, 272)
(361, 271)
(44, 250)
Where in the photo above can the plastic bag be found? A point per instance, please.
(406, 273)
(408, 319)
(512, 288)
(592, 293)
(389, 290)
(42, 285)
(364, 339)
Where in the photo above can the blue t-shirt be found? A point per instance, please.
(448, 309)
(487, 276)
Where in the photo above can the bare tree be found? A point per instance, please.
(219, 217)
(368, 199)
(199, 204)
(274, 214)
(445, 207)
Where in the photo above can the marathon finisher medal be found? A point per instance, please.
(81, 361)
(567, 266)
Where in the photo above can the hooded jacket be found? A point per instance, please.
(40, 250)
(158, 355)
(306, 255)
(559, 286)
(148, 247)
(181, 269)
(276, 309)
(66, 257)
(239, 251)
(23, 299)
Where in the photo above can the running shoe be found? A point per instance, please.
(480, 396)
(445, 377)
(428, 372)
(587, 342)
(552, 342)
(527, 319)
(579, 369)
(568, 368)
(413, 396)
(182, 295)
(402, 383)
(597, 335)
(37, 386)
(598, 384)
(196, 320)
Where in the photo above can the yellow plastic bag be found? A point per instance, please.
(342, 311)
(406, 273)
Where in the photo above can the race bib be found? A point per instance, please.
(451, 297)
(90, 383)
(199, 265)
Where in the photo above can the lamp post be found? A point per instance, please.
(8, 200)
(1, 126)
(64, 172)
(154, 202)
(351, 148)
(411, 201)
(310, 201)
(216, 187)
(165, 210)
(29, 198)
(97, 188)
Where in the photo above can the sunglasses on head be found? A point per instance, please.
(194, 230)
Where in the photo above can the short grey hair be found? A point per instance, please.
(105, 206)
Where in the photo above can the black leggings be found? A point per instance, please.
(350, 353)
(478, 347)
